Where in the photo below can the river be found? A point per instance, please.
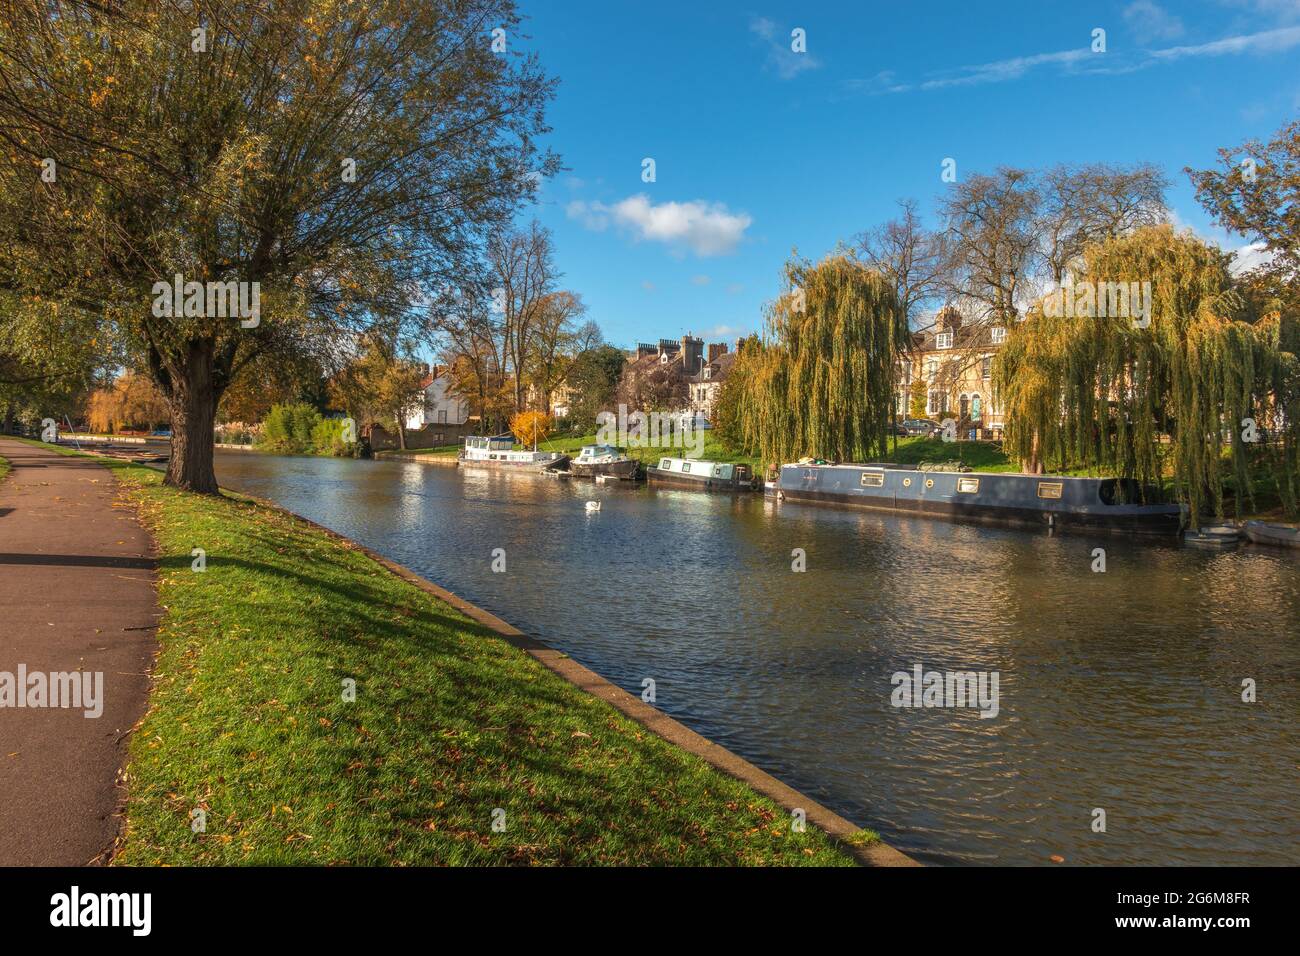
(1118, 690)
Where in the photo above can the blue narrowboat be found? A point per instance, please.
(1035, 501)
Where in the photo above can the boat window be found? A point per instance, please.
(968, 485)
(686, 466)
(929, 482)
(907, 482)
(666, 464)
(1050, 489)
(873, 479)
(723, 471)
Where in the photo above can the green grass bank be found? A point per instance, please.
(248, 722)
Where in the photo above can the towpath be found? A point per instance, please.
(77, 596)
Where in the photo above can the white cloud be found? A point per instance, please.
(699, 280)
(780, 54)
(1267, 41)
(1083, 60)
(1249, 257)
(1000, 71)
(1150, 21)
(706, 228)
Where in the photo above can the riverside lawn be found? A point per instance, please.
(247, 722)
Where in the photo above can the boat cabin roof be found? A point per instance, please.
(492, 443)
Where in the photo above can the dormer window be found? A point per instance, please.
(663, 358)
(998, 334)
(943, 340)
(708, 372)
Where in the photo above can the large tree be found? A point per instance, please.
(1103, 391)
(347, 158)
(822, 381)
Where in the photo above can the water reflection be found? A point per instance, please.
(1118, 690)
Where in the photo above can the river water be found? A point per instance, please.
(1119, 691)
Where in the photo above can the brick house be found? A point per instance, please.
(955, 361)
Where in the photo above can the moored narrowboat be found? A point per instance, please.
(498, 451)
(604, 460)
(1036, 501)
(702, 475)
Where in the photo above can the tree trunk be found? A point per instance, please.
(401, 432)
(1032, 465)
(193, 405)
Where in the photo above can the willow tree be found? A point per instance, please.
(822, 380)
(343, 158)
(1105, 391)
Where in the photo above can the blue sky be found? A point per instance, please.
(759, 150)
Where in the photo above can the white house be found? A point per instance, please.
(435, 405)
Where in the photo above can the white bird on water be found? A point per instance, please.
(593, 505)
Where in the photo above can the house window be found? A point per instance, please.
(943, 340)
(873, 479)
(968, 486)
(1050, 489)
(986, 367)
(442, 416)
(998, 334)
(936, 403)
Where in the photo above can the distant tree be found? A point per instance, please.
(132, 400)
(911, 257)
(380, 386)
(593, 381)
(1082, 205)
(556, 341)
(531, 426)
(918, 398)
(1256, 192)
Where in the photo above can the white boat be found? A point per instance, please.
(703, 475)
(1283, 536)
(498, 451)
(603, 461)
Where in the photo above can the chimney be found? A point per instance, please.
(716, 349)
(692, 354)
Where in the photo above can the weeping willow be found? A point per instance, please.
(1153, 403)
(821, 381)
